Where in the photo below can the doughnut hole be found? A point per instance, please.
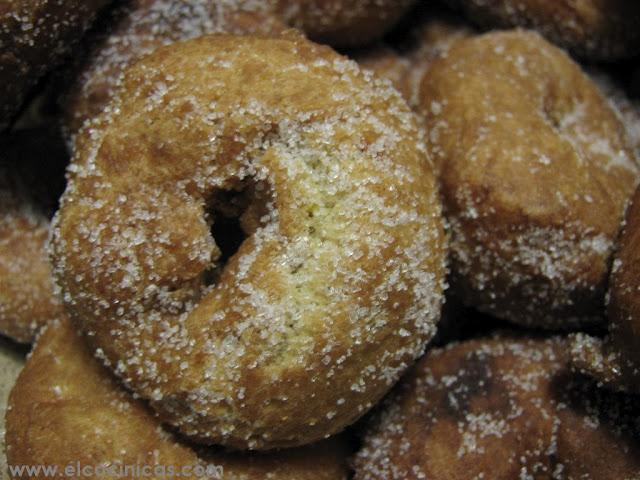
(233, 216)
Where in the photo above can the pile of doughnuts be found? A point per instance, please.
(304, 239)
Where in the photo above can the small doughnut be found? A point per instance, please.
(593, 29)
(342, 23)
(616, 361)
(535, 171)
(31, 180)
(66, 408)
(337, 285)
(139, 27)
(34, 36)
(501, 408)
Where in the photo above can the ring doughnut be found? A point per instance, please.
(594, 29)
(66, 409)
(136, 29)
(31, 181)
(616, 361)
(34, 36)
(535, 171)
(501, 408)
(338, 284)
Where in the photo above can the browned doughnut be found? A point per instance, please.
(501, 409)
(336, 288)
(34, 35)
(67, 408)
(139, 27)
(616, 361)
(595, 29)
(536, 171)
(31, 180)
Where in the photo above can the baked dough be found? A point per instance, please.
(536, 171)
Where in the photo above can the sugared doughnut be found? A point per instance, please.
(137, 28)
(342, 23)
(31, 180)
(501, 408)
(337, 286)
(595, 29)
(66, 409)
(34, 35)
(616, 361)
(535, 171)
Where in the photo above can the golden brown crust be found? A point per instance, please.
(67, 408)
(501, 408)
(139, 27)
(34, 35)
(594, 29)
(324, 304)
(616, 361)
(536, 172)
(343, 23)
(31, 180)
